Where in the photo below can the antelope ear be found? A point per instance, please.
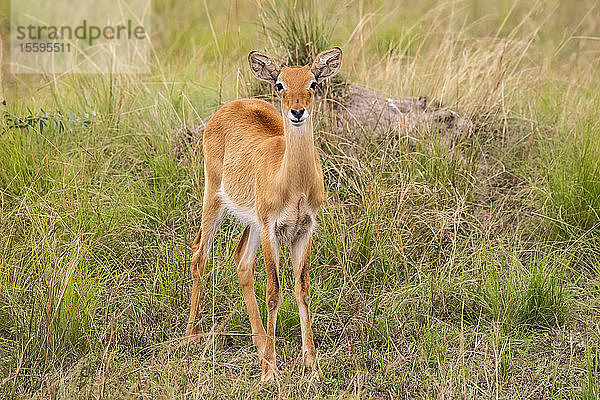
(263, 67)
(327, 64)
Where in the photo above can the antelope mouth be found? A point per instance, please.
(298, 121)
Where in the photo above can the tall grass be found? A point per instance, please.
(299, 29)
(573, 168)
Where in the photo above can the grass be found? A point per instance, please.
(302, 29)
(462, 267)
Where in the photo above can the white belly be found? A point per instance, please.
(246, 215)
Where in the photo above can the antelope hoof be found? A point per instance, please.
(268, 371)
(193, 332)
(310, 360)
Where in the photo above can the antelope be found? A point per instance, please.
(262, 166)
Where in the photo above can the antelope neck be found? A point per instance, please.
(298, 164)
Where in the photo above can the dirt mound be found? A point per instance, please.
(363, 110)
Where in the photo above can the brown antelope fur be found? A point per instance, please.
(261, 165)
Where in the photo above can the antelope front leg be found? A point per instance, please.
(300, 252)
(273, 298)
(244, 255)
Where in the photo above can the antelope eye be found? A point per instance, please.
(313, 85)
(279, 87)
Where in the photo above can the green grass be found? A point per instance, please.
(573, 170)
(302, 29)
(463, 267)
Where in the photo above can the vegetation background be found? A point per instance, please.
(468, 271)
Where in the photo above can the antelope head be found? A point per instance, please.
(296, 85)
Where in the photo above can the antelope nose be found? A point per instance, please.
(297, 113)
